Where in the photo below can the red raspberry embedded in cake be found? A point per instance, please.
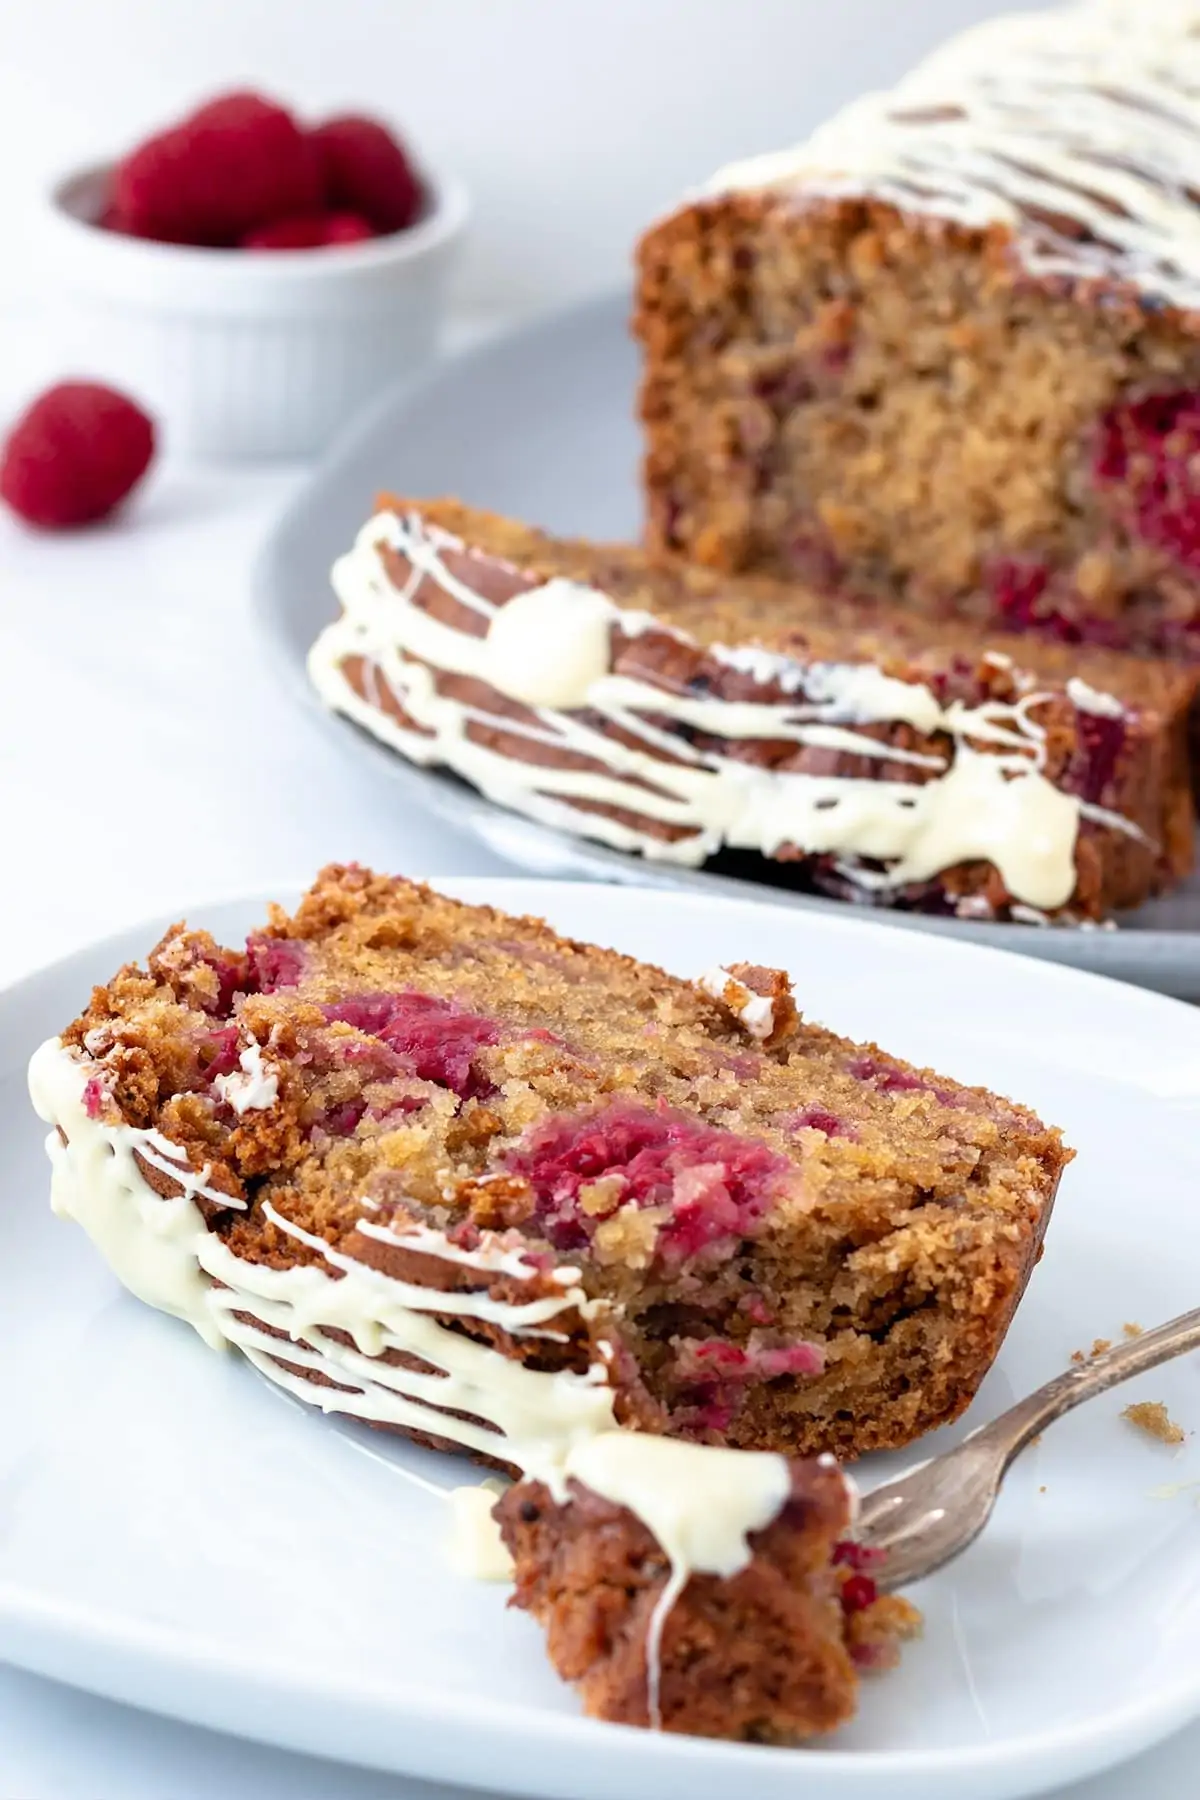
(717, 1184)
(435, 1039)
(309, 231)
(857, 1556)
(235, 164)
(221, 1050)
(274, 962)
(887, 1080)
(1016, 587)
(342, 1120)
(1148, 455)
(1101, 739)
(857, 1593)
(816, 1118)
(74, 455)
(93, 1097)
(366, 170)
(755, 1360)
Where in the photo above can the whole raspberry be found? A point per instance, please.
(74, 455)
(366, 170)
(309, 231)
(237, 163)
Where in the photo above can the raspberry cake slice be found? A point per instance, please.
(443, 1170)
(688, 715)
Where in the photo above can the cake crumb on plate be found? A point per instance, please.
(1152, 1417)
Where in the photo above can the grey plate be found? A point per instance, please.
(540, 424)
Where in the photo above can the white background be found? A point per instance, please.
(146, 758)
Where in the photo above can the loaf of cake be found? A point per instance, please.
(950, 346)
(750, 1620)
(445, 1171)
(688, 715)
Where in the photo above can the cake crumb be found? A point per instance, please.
(1099, 1346)
(1042, 1489)
(1132, 1329)
(1152, 1417)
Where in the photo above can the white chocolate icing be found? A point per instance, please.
(1091, 700)
(163, 1251)
(997, 806)
(756, 1011)
(701, 1503)
(548, 646)
(1076, 128)
(658, 1480)
(149, 1243)
(476, 1548)
(254, 1089)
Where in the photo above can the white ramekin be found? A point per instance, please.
(248, 354)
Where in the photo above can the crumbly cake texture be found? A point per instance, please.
(395, 1133)
(682, 713)
(951, 345)
(769, 1654)
(1152, 1417)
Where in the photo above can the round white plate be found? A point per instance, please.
(540, 424)
(175, 1533)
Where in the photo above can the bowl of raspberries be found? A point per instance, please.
(252, 278)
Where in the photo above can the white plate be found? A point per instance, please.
(175, 1534)
(539, 424)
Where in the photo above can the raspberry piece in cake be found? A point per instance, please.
(484, 1143)
(1149, 458)
(837, 746)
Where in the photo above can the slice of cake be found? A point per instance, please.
(747, 1616)
(677, 712)
(951, 344)
(445, 1171)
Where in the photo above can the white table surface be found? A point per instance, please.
(148, 760)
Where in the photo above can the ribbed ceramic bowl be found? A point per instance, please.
(249, 354)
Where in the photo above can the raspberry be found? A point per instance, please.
(435, 1038)
(367, 171)
(1149, 451)
(237, 163)
(309, 231)
(74, 455)
(717, 1183)
(858, 1592)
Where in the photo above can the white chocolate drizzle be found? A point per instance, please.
(701, 1503)
(1088, 699)
(756, 1011)
(657, 1479)
(252, 1090)
(992, 804)
(1076, 128)
(476, 1548)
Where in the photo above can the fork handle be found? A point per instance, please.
(1010, 1433)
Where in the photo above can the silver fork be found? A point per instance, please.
(929, 1515)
